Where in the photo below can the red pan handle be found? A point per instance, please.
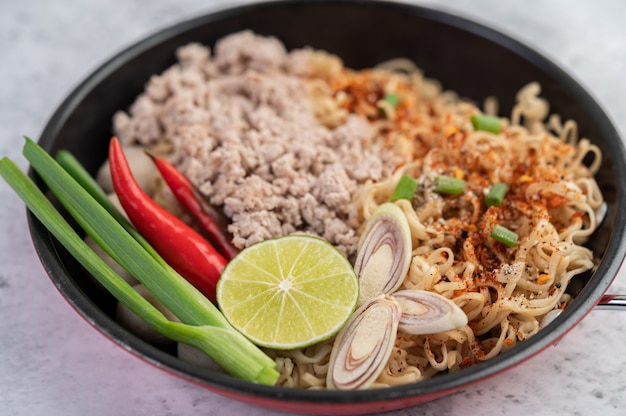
(613, 302)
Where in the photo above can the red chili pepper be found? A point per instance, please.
(180, 245)
(183, 189)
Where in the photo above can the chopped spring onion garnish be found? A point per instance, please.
(483, 122)
(496, 194)
(504, 235)
(392, 98)
(203, 325)
(449, 185)
(405, 189)
(387, 105)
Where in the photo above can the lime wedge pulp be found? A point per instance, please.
(288, 292)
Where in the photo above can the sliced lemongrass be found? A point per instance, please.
(364, 345)
(384, 252)
(426, 312)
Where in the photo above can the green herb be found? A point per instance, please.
(449, 185)
(482, 122)
(496, 194)
(504, 235)
(203, 325)
(388, 103)
(392, 98)
(84, 179)
(405, 189)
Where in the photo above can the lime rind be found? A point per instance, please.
(289, 292)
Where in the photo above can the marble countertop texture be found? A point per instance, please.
(53, 363)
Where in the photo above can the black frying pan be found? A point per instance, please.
(465, 56)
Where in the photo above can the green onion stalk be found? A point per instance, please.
(202, 324)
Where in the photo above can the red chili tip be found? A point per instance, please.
(183, 190)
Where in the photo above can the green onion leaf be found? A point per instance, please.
(203, 324)
(496, 194)
(215, 342)
(122, 247)
(405, 189)
(449, 185)
(504, 235)
(482, 122)
(80, 175)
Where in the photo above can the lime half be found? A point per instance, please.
(288, 292)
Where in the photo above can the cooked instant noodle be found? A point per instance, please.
(310, 125)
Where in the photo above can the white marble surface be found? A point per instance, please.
(52, 363)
